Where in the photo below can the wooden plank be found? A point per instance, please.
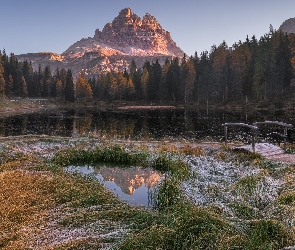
(241, 124)
(275, 123)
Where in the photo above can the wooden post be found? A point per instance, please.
(253, 130)
(286, 126)
(253, 139)
(225, 134)
(285, 137)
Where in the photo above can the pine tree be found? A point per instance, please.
(63, 75)
(47, 82)
(9, 86)
(165, 81)
(69, 87)
(144, 82)
(83, 88)
(15, 74)
(188, 75)
(28, 74)
(24, 90)
(2, 81)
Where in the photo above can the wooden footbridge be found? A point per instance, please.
(254, 131)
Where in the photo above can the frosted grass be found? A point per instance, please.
(217, 183)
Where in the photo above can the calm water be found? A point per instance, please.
(136, 125)
(134, 185)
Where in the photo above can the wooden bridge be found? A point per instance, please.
(261, 147)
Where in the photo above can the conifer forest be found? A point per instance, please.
(249, 71)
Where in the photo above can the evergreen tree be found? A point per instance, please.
(165, 81)
(14, 72)
(24, 90)
(83, 88)
(122, 85)
(113, 87)
(9, 86)
(47, 82)
(154, 81)
(174, 88)
(69, 87)
(63, 75)
(28, 74)
(56, 87)
(38, 81)
(144, 82)
(2, 81)
(132, 68)
(188, 76)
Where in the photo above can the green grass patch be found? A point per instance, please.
(245, 211)
(287, 198)
(269, 234)
(186, 228)
(112, 154)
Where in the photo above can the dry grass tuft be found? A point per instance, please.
(186, 149)
(22, 194)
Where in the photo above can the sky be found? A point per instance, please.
(30, 26)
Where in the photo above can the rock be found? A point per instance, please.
(126, 38)
(288, 26)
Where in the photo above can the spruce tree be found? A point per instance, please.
(69, 87)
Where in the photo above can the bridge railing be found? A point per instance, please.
(285, 126)
(254, 130)
(255, 127)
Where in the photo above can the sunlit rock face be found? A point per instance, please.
(132, 35)
(128, 37)
(130, 179)
(288, 26)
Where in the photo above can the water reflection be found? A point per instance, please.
(135, 125)
(134, 184)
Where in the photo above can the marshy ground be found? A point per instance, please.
(213, 197)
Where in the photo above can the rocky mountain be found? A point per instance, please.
(128, 37)
(130, 179)
(288, 26)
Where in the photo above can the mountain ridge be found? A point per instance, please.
(128, 37)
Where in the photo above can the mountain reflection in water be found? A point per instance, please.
(138, 124)
(133, 184)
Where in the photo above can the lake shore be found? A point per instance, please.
(23, 105)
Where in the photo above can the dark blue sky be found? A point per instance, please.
(54, 25)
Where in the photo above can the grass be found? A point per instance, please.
(109, 154)
(42, 203)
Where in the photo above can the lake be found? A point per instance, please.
(137, 125)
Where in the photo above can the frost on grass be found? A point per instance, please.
(51, 234)
(45, 148)
(221, 184)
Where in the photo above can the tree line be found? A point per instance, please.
(253, 70)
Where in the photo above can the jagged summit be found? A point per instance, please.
(128, 34)
(128, 37)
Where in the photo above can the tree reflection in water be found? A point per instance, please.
(135, 125)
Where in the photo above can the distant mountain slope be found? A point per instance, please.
(288, 26)
(127, 37)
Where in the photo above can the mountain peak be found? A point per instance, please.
(132, 35)
(127, 12)
(148, 16)
(126, 38)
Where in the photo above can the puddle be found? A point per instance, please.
(134, 185)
